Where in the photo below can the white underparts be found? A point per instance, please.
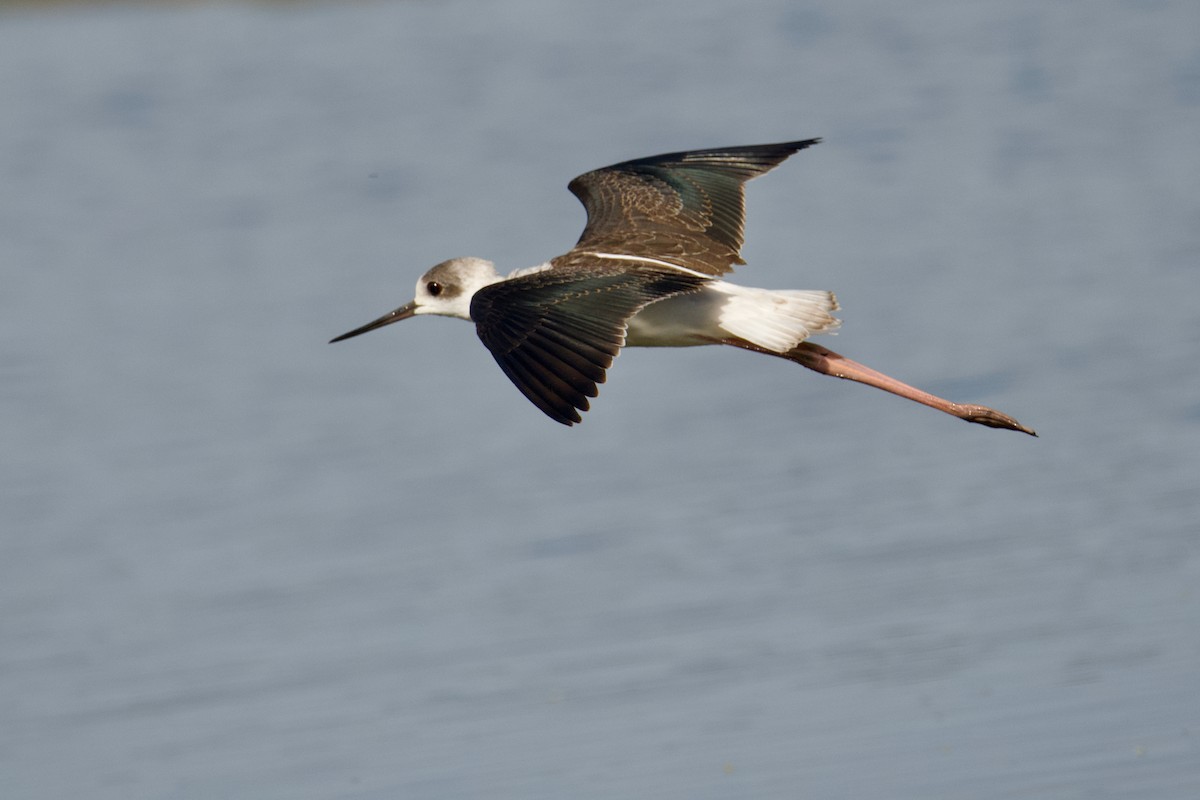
(774, 320)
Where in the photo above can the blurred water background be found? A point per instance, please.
(236, 561)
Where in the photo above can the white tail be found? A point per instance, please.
(777, 320)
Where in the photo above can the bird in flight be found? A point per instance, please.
(647, 272)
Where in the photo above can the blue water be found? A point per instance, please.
(236, 561)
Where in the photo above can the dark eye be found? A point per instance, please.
(434, 288)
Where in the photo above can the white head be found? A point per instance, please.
(445, 290)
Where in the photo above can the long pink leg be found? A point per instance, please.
(827, 362)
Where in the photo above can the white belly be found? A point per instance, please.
(775, 320)
(683, 321)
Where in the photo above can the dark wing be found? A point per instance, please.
(555, 333)
(685, 208)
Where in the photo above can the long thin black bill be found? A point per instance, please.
(403, 312)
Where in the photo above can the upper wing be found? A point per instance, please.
(554, 333)
(687, 209)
